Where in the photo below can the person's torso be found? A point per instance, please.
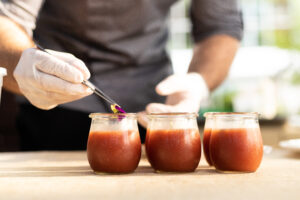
(125, 32)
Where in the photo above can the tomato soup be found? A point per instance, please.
(237, 149)
(176, 150)
(114, 151)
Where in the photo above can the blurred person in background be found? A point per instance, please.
(120, 46)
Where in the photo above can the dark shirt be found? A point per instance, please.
(123, 42)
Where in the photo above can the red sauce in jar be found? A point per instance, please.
(114, 151)
(206, 141)
(173, 150)
(236, 149)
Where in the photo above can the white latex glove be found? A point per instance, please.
(48, 80)
(184, 94)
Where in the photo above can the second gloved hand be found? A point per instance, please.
(49, 80)
(184, 94)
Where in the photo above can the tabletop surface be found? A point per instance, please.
(61, 175)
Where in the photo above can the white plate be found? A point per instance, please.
(293, 145)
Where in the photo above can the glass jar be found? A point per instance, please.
(236, 142)
(206, 135)
(114, 144)
(173, 142)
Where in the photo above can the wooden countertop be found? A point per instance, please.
(66, 175)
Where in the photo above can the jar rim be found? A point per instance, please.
(208, 114)
(232, 114)
(112, 115)
(172, 114)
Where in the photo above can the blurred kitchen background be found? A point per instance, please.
(265, 76)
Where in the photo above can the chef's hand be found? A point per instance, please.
(48, 80)
(184, 94)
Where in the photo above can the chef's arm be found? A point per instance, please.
(14, 40)
(212, 58)
(17, 21)
(45, 80)
(217, 28)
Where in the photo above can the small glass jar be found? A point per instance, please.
(114, 144)
(236, 142)
(206, 135)
(173, 142)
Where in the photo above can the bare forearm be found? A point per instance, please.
(213, 57)
(13, 42)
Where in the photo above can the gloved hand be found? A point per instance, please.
(48, 80)
(184, 94)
